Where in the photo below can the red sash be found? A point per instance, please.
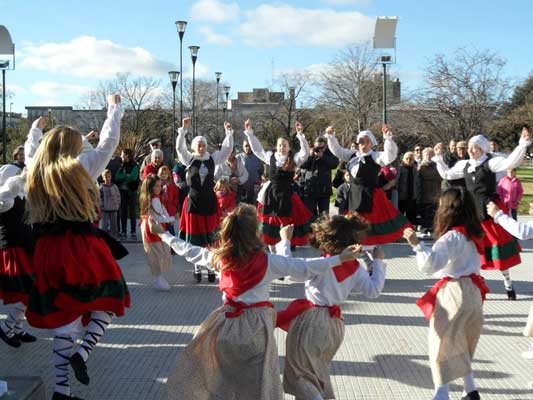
(345, 270)
(427, 301)
(236, 282)
(239, 307)
(150, 237)
(300, 306)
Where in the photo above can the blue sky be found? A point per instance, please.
(65, 47)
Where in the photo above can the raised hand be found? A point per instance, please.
(492, 209)
(113, 99)
(385, 129)
(285, 233)
(350, 253)
(299, 127)
(92, 135)
(247, 124)
(330, 130)
(410, 235)
(186, 122)
(227, 126)
(439, 149)
(41, 122)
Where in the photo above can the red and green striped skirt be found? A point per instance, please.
(301, 217)
(386, 222)
(196, 229)
(75, 274)
(16, 275)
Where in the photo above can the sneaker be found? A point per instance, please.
(511, 294)
(161, 283)
(12, 341)
(25, 337)
(472, 396)
(211, 276)
(80, 368)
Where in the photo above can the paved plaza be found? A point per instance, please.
(383, 356)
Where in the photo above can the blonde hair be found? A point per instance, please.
(145, 198)
(239, 239)
(164, 168)
(407, 155)
(106, 171)
(222, 184)
(59, 187)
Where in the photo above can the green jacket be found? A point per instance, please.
(128, 180)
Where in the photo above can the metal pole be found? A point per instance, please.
(173, 114)
(227, 110)
(384, 93)
(181, 76)
(193, 106)
(216, 129)
(4, 132)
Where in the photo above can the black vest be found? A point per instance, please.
(363, 185)
(482, 184)
(13, 231)
(202, 198)
(278, 196)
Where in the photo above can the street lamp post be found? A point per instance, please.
(194, 56)
(173, 75)
(217, 75)
(181, 25)
(226, 92)
(10, 113)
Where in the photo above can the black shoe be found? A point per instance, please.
(211, 277)
(511, 294)
(80, 368)
(198, 277)
(472, 396)
(60, 396)
(25, 337)
(281, 279)
(13, 341)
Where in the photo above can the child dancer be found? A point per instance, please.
(157, 253)
(170, 195)
(454, 305)
(16, 256)
(314, 324)
(501, 250)
(226, 197)
(278, 205)
(75, 273)
(365, 195)
(200, 214)
(234, 354)
(521, 231)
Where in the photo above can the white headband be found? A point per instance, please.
(197, 140)
(482, 142)
(369, 135)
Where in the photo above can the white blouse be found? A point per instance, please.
(452, 255)
(93, 159)
(519, 230)
(279, 265)
(385, 157)
(159, 211)
(223, 171)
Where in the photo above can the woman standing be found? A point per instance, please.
(127, 179)
(407, 175)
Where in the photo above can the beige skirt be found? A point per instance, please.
(528, 330)
(454, 330)
(312, 341)
(158, 254)
(230, 359)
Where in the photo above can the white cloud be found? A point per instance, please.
(315, 70)
(214, 11)
(16, 89)
(200, 71)
(55, 90)
(282, 24)
(348, 2)
(214, 38)
(87, 56)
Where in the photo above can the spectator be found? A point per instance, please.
(341, 200)
(113, 166)
(110, 204)
(428, 189)
(127, 179)
(418, 154)
(155, 144)
(510, 191)
(233, 171)
(255, 168)
(226, 197)
(153, 167)
(179, 175)
(316, 177)
(406, 186)
(19, 158)
(450, 158)
(462, 154)
(170, 195)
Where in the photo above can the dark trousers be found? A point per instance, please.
(408, 208)
(128, 203)
(248, 194)
(317, 205)
(427, 214)
(513, 213)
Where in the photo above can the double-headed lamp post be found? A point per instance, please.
(180, 26)
(194, 56)
(226, 92)
(217, 76)
(173, 75)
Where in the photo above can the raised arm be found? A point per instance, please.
(432, 260)
(390, 149)
(519, 230)
(222, 155)
(340, 152)
(34, 139)
(255, 144)
(301, 156)
(181, 146)
(513, 160)
(96, 159)
(445, 172)
(12, 187)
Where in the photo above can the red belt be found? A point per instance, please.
(427, 301)
(298, 307)
(239, 307)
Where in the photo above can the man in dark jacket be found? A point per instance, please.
(315, 177)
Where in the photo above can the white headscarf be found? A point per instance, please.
(482, 142)
(197, 140)
(369, 135)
